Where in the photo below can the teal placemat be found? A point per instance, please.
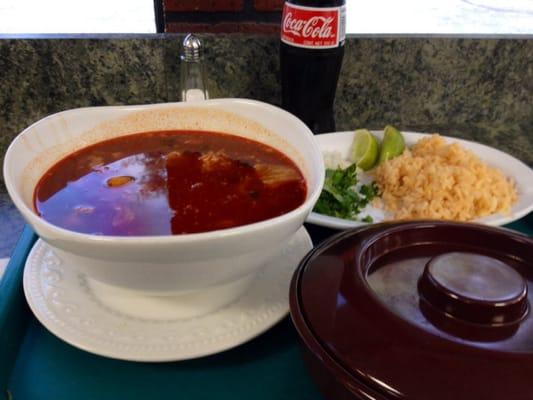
(524, 225)
(42, 367)
(269, 367)
(35, 365)
(14, 312)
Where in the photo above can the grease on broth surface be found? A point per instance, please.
(168, 182)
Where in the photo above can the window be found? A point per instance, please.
(440, 16)
(77, 16)
(376, 16)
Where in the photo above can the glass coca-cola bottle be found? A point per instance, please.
(311, 51)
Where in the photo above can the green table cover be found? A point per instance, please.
(34, 364)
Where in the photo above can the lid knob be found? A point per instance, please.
(474, 288)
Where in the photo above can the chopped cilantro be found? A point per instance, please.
(339, 198)
(368, 219)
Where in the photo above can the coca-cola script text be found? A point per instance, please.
(311, 27)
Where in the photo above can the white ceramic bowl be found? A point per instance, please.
(165, 264)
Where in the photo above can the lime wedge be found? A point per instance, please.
(392, 145)
(365, 149)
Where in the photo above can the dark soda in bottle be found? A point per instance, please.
(311, 51)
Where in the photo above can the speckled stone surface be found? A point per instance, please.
(236, 66)
(11, 224)
(474, 88)
(437, 81)
(41, 77)
(480, 88)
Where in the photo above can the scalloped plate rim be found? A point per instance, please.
(75, 337)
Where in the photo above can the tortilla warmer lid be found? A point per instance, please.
(419, 310)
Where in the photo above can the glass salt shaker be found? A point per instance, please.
(192, 74)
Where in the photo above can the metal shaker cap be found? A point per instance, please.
(192, 48)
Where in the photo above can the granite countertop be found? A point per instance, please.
(476, 88)
(479, 88)
(10, 227)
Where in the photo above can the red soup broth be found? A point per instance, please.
(169, 182)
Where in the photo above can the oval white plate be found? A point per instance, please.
(523, 175)
(64, 301)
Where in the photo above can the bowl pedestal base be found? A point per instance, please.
(189, 304)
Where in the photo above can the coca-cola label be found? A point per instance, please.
(313, 27)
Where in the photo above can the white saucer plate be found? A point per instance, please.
(521, 173)
(64, 301)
